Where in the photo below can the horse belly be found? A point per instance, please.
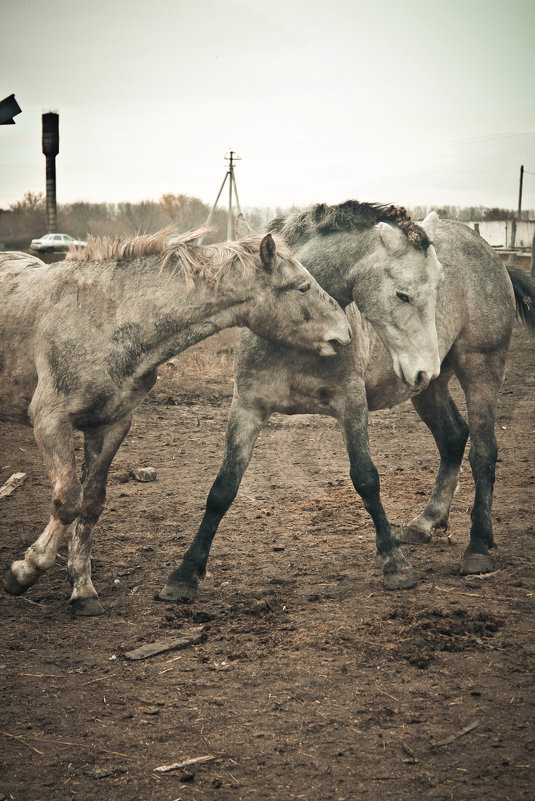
(314, 393)
(321, 402)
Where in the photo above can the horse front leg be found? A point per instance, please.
(397, 570)
(100, 446)
(55, 438)
(439, 412)
(244, 426)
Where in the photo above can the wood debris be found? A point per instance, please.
(12, 483)
(187, 763)
(466, 730)
(196, 637)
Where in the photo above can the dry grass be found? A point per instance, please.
(209, 360)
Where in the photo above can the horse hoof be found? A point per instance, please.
(399, 581)
(414, 536)
(12, 585)
(474, 563)
(88, 607)
(177, 591)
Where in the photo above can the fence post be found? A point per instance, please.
(533, 255)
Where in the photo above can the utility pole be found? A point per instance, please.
(520, 191)
(229, 175)
(519, 212)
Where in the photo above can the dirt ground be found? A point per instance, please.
(312, 682)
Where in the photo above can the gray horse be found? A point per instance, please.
(80, 341)
(379, 258)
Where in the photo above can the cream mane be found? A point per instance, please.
(180, 253)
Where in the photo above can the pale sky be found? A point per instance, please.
(426, 102)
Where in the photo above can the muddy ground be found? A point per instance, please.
(312, 682)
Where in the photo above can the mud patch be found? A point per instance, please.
(421, 634)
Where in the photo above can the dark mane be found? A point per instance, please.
(349, 216)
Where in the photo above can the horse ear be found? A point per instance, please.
(242, 227)
(268, 252)
(392, 238)
(430, 225)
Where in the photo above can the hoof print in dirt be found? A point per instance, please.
(421, 634)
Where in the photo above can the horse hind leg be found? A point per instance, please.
(100, 446)
(481, 377)
(54, 436)
(439, 412)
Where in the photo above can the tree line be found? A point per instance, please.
(26, 219)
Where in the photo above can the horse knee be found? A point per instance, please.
(222, 494)
(93, 504)
(67, 502)
(456, 442)
(219, 499)
(366, 483)
(483, 457)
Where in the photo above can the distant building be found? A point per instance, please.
(498, 232)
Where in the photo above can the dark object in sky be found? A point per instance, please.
(50, 140)
(9, 108)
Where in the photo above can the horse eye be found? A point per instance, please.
(304, 287)
(403, 297)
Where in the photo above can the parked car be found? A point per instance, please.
(49, 243)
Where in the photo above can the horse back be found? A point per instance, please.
(476, 303)
(18, 259)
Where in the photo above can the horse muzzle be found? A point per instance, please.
(332, 346)
(416, 380)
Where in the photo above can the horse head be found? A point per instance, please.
(292, 308)
(398, 296)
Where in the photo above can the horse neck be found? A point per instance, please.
(170, 316)
(338, 261)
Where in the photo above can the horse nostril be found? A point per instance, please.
(422, 379)
(341, 340)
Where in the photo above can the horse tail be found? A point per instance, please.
(524, 288)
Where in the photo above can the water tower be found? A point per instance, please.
(51, 150)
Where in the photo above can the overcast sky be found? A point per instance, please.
(409, 101)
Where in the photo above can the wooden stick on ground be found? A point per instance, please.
(11, 484)
(461, 733)
(20, 740)
(187, 763)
